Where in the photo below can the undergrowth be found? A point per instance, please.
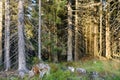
(108, 70)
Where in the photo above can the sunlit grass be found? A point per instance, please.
(108, 69)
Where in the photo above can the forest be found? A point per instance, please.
(59, 39)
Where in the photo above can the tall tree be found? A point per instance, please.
(96, 40)
(101, 29)
(76, 32)
(39, 32)
(108, 46)
(7, 35)
(1, 3)
(95, 34)
(91, 28)
(21, 42)
(69, 43)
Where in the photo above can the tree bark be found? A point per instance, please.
(101, 30)
(91, 44)
(55, 39)
(96, 40)
(108, 46)
(69, 43)
(39, 32)
(1, 7)
(76, 32)
(7, 35)
(49, 46)
(21, 42)
(86, 39)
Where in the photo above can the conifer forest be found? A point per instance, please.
(59, 39)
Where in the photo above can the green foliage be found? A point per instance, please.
(36, 60)
(56, 49)
(29, 31)
(52, 11)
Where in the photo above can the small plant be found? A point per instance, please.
(36, 60)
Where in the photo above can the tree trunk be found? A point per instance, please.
(49, 46)
(21, 42)
(90, 36)
(55, 37)
(86, 39)
(7, 35)
(101, 30)
(1, 3)
(108, 46)
(69, 43)
(76, 33)
(55, 45)
(96, 40)
(91, 31)
(39, 32)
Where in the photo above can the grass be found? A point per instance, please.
(107, 69)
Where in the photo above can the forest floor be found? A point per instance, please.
(96, 69)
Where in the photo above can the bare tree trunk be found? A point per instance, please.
(7, 35)
(76, 33)
(101, 29)
(96, 40)
(86, 39)
(91, 44)
(90, 36)
(1, 3)
(108, 46)
(55, 37)
(49, 47)
(69, 43)
(21, 42)
(39, 32)
(55, 46)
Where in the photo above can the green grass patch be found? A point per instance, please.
(108, 70)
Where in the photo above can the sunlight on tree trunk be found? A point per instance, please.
(108, 47)
(101, 30)
(76, 33)
(91, 44)
(96, 40)
(69, 43)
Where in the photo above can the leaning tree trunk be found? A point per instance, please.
(69, 43)
(1, 3)
(76, 33)
(21, 42)
(108, 46)
(7, 35)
